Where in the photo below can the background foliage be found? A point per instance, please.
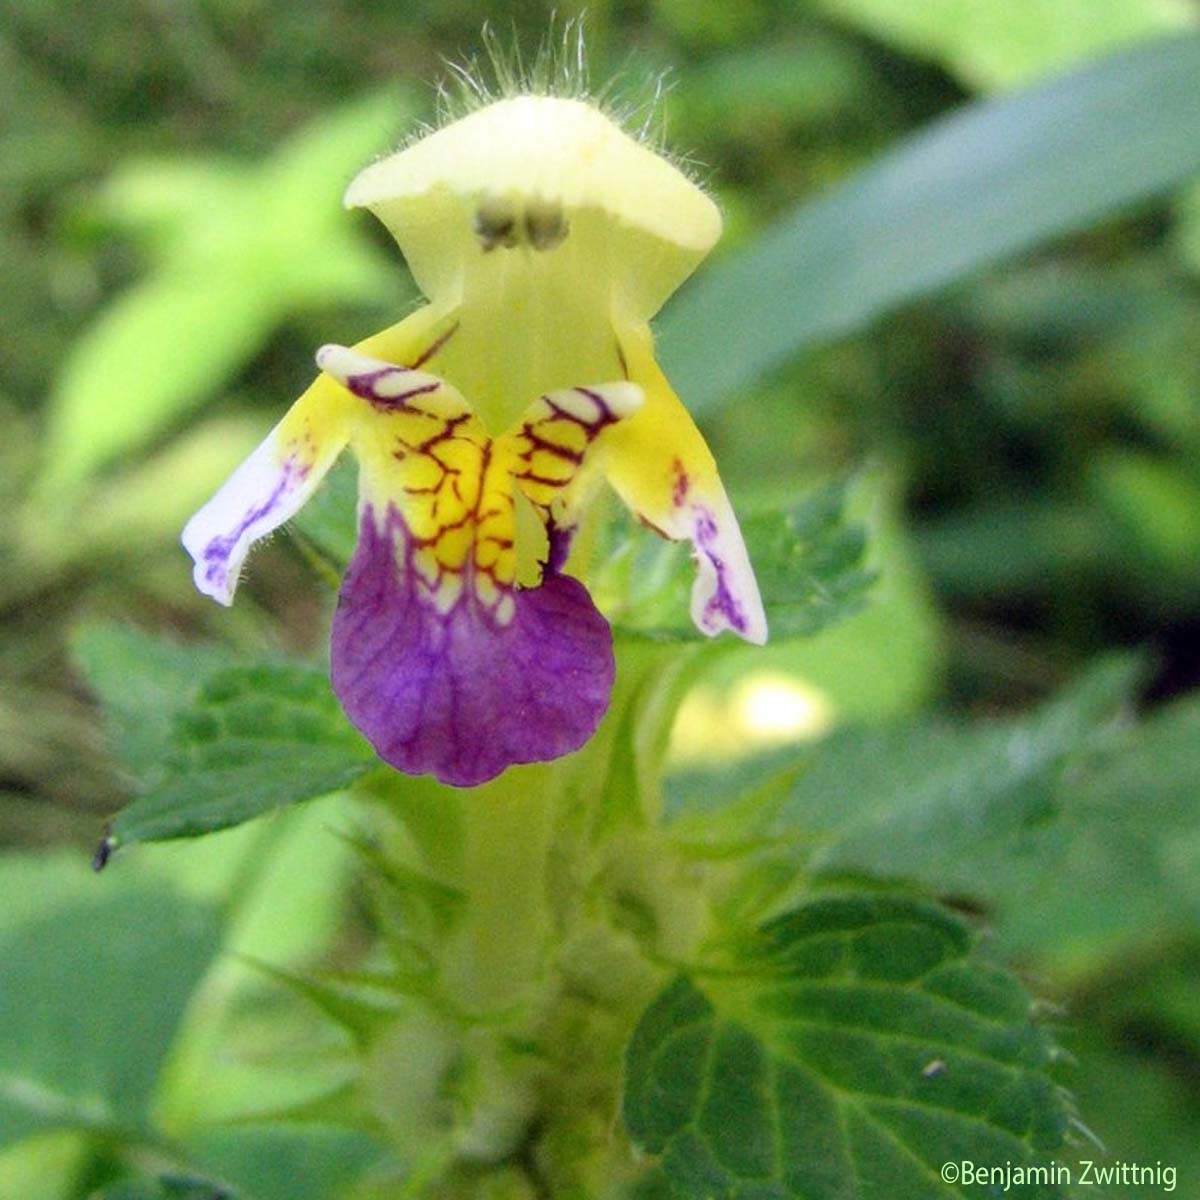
(958, 292)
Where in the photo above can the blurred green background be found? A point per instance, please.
(1015, 399)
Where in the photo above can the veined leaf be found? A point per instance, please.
(958, 807)
(1122, 869)
(143, 682)
(256, 738)
(1075, 825)
(854, 1050)
(991, 181)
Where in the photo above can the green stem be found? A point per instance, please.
(501, 945)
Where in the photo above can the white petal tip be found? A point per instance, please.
(624, 398)
(755, 632)
(751, 628)
(214, 581)
(726, 593)
(598, 404)
(341, 362)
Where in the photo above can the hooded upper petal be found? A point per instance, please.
(539, 171)
(544, 228)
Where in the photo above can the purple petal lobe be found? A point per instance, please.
(460, 694)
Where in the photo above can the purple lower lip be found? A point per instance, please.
(458, 694)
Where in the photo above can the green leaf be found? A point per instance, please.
(809, 564)
(989, 45)
(967, 809)
(957, 807)
(287, 1162)
(1015, 545)
(155, 197)
(94, 989)
(1121, 870)
(156, 351)
(884, 661)
(1074, 826)
(256, 738)
(145, 505)
(807, 559)
(862, 1043)
(1078, 831)
(143, 682)
(45, 1167)
(810, 78)
(991, 181)
(260, 1162)
(1156, 504)
(166, 1187)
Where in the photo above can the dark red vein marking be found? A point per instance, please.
(431, 350)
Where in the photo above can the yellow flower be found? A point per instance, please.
(545, 238)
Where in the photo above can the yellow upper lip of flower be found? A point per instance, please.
(553, 150)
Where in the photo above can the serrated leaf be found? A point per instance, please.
(809, 564)
(1120, 868)
(993, 180)
(142, 681)
(94, 989)
(254, 739)
(953, 806)
(858, 1046)
(1072, 827)
(965, 808)
(1076, 827)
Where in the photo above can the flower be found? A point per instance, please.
(545, 238)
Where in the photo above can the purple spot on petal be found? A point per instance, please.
(722, 602)
(457, 694)
(560, 547)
